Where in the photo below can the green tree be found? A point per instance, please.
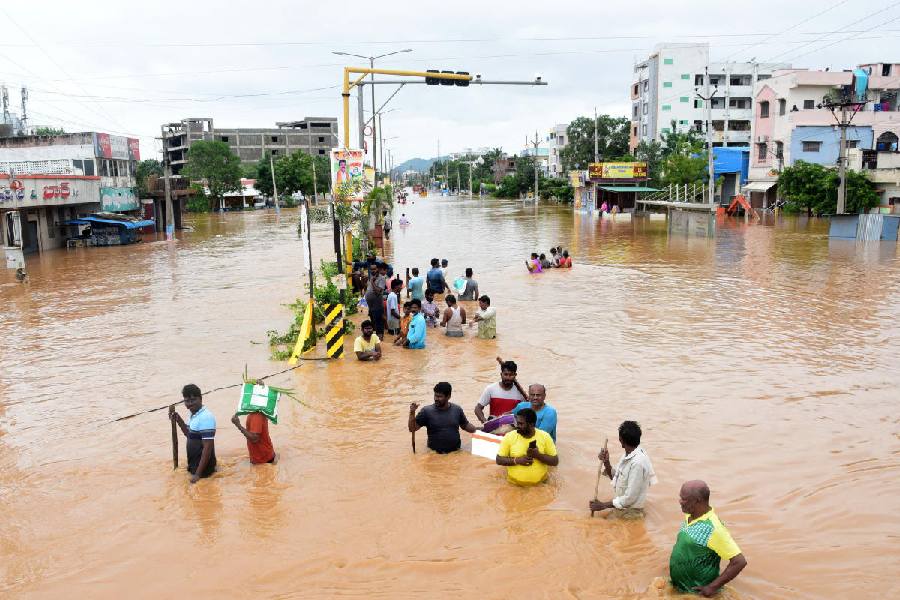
(612, 140)
(652, 153)
(49, 131)
(144, 170)
(813, 188)
(214, 163)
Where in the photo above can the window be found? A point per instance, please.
(739, 103)
(635, 90)
(698, 79)
(561, 140)
(667, 84)
(698, 103)
(685, 75)
(665, 130)
(812, 146)
(684, 99)
(274, 139)
(782, 106)
(635, 110)
(885, 70)
(646, 108)
(683, 122)
(764, 109)
(646, 86)
(698, 126)
(762, 77)
(634, 131)
(224, 138)
(667, 107)
(645, 130)
(715, 79)
(321, 152)
(274, 152)
(761, 151)
(321, 139)
(809, 104)
(779, 149)
(89, 167)
(853, 143)
(668, 61)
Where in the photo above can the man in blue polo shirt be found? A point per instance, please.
(200, 432)
(434, 279)
(546, 414)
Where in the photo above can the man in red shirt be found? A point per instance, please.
(259, 444)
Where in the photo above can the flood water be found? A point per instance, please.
(764, 361)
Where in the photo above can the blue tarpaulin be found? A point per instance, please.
(125, 224)
(731, 160)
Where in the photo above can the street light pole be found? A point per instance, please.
(709, 147)
(274, 185)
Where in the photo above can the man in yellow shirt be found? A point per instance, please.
(367, 346)
(527, 452)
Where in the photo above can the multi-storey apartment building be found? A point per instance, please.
(665, 87)
(790, 122)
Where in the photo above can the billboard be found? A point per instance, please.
(617, 170)
(116, 146)
(575, 179)
(117, 199)
(347, 167)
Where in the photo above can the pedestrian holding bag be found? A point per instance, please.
(256, 397)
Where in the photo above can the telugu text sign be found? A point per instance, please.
(617, 170)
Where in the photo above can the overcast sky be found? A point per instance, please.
(126, 67)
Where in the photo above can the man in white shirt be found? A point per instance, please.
(633, 475)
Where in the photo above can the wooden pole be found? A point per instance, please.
(599, 475)
(174, 442)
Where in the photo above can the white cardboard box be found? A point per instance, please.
(485, 445)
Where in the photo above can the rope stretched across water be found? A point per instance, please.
(218, 389)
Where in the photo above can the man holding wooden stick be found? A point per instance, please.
(631, 478)
(200, 433)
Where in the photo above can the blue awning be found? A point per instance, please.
(125, 224)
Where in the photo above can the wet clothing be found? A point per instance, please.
(535, 265)
(393, 323)
(700, 546)
(436, 281)
(515, 445)
(631, 479)
(546, 264)
(405, 320)
(417, 288)
(430, 309)
(546, 417)
(261, 451)
(443, 426)
(416, 335)
(500, 400)
(454, 324)
(201, 426)
(361, 345)
(376, 312)
(470, 292)
(487, 326)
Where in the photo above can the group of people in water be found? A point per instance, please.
(409, 321)
(559, 259)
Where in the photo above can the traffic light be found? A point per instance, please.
(447, 81)
(462, 82)
(432, 80)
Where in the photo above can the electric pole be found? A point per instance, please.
(536, 143)
(274, 186)
(167, 173)
(709, 147)
(852, 104)
(596, 144)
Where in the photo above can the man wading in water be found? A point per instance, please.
(200, 432)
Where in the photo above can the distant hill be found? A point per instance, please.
(415, 164)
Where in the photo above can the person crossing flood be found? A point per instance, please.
(534, 265)
(702, 542)
(416, 285)
(546, 414)
(368, 345)
(486, 317)
(470, 288)
(633, 475)
(503, 396)
(200, 432)
(442, 420)
(430, 309)
(454, 317)
(415, 339)
(435, 279)
(527, 452)
(259, 444)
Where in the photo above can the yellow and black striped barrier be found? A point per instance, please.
(334, 330)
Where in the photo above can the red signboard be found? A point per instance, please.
(57, 191)
(134, 149)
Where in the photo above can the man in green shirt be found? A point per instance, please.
(486, 317)
(702, 542)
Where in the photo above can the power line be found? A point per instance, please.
(840, 41)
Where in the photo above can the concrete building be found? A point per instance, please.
(48, 180)
(543, 158)
(788, 124)
(883, 168)
(313, 135)
(557, 140)
(503, 166)
(664, 91)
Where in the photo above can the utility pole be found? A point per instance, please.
(709, 147)
(470, 180)
(167, 173)
(536, 143)
(362, 118)
(855, 104)
(315, 191)
(842, 160)
(274, 186)
(596, 144)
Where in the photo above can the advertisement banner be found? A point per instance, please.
(116, 146)
(347, 167)
(575, 179)
(118, 199)
(617, 170)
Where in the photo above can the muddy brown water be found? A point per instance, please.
(764, 361)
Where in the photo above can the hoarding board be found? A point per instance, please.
(605, 171)
(347, 167)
